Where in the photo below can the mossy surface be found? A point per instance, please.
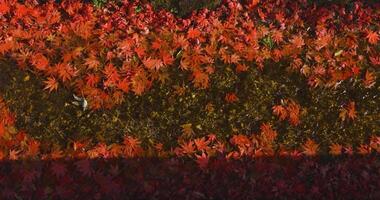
(184, 8)
(158, 115)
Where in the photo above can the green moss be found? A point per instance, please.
(158, 114)
(184, 7)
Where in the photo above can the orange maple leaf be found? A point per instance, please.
(241, 68)
(187, 129)
(294, 112)
(5, 47)
(40, 61)
(372, 37)
(201, 79)
(280, 111)
(56, 154)
(152, 63)
(240, 140)
(253, 3)
(298, 41)
(14, 154)
(277, 36)
(131, 142)
(267, 132)
(351, 111)
(92, 62)
(65, 71)
(139, 82)
(369, 79)
(310, 148)
(140, 51)
(335, 149)
(51, 84)
(33, 147)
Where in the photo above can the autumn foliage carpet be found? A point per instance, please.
(126, 48)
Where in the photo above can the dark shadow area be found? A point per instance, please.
(152, 178)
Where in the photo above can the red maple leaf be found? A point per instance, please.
(167, 59)
(21, 10)
(375, 60)
(364, 149)
(58, 169)
(92, 80)
(124, 85)
(202, 160)
(156, 45)
(231, 97)
(201, 144)
(188, 148)
(356, 70)
(84, 167)
(2, 129)
(4, 8)
(193, 33)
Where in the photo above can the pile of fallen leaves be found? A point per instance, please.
(127, 47)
